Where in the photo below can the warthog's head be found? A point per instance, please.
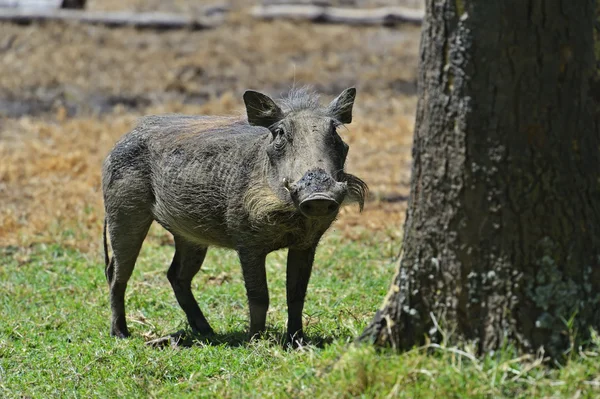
(306, 154)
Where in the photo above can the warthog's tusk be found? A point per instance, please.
(286, 185)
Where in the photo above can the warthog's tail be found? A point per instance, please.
(106, 257)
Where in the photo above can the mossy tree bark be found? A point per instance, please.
(502, 237)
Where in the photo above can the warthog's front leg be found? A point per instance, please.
(299, 266)
(255, 279)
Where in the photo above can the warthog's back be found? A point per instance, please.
(196, 169)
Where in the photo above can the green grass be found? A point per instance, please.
(54, 338)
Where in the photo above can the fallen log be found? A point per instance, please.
(214, 16)
(75, 4)
(351, 16)
(321, 3)
(153, 20)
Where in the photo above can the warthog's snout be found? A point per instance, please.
(319, 205)
(317, 194)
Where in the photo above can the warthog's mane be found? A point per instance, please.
(307, 99)
(301, 99)
(180, 129)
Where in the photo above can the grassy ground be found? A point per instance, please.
(54, 338)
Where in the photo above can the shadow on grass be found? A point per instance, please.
(233, 339)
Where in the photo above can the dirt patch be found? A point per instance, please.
(68, 91)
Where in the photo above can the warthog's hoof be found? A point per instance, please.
(119, 333)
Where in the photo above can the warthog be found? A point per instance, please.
(271, 181)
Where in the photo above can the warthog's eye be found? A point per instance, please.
(279, 141)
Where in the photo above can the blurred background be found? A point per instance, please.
(69, 90)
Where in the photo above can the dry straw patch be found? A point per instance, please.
(50, 175)
(77, 63)
(50, 179)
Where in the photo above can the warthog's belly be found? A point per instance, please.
(202, 225)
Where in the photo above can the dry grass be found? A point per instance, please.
(50, 177)
(75, 63)
(50, 163)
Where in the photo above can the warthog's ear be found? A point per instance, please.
(341, 107)
(261, 110)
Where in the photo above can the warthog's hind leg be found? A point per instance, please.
(127, 234)
(186, 264)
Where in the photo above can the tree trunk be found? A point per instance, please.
(502, 237)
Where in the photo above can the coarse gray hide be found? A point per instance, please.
(273, 180)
